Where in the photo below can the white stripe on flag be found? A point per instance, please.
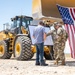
(70, 31)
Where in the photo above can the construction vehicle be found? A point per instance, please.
(47, 9)
(17, 41)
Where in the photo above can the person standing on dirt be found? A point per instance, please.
(59, 36)
(39, 35)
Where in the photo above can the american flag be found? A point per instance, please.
(68, 17)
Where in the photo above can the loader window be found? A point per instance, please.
(24, 24)
(21, 21)
(14, 24)
(28, 22)
(17, 23)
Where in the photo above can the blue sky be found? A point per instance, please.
(11, 8)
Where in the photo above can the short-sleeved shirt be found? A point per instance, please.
(38, 34)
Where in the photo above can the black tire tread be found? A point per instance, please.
(26, 52)
(6, 55)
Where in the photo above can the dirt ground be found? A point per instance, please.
(14, 67)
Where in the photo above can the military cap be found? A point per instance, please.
(55, 24)
(59, 24)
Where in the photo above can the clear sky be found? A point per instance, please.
(11, 8)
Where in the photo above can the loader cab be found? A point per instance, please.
(19, 21)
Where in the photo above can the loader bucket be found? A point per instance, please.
(48, 8)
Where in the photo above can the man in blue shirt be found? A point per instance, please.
(39, 35)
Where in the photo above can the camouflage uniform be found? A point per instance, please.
(55, 41)
(59, 39)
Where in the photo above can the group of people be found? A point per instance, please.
(59, 36)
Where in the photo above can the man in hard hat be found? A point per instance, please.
(59, 39)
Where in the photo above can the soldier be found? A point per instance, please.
(59, 39)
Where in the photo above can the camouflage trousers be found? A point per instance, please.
(59, 51)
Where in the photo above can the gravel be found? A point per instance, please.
(15, 67)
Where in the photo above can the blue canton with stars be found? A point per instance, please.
(65, 14)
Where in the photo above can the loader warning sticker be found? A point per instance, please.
(48, 40)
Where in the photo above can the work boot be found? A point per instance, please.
(37, 64)
(43, 64)
(63, 62)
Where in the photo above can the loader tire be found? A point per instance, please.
(23, 48)
(49, 56)
(4, 53)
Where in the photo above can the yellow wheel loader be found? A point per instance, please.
(16, 40)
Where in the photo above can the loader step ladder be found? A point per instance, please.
(11, 43)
